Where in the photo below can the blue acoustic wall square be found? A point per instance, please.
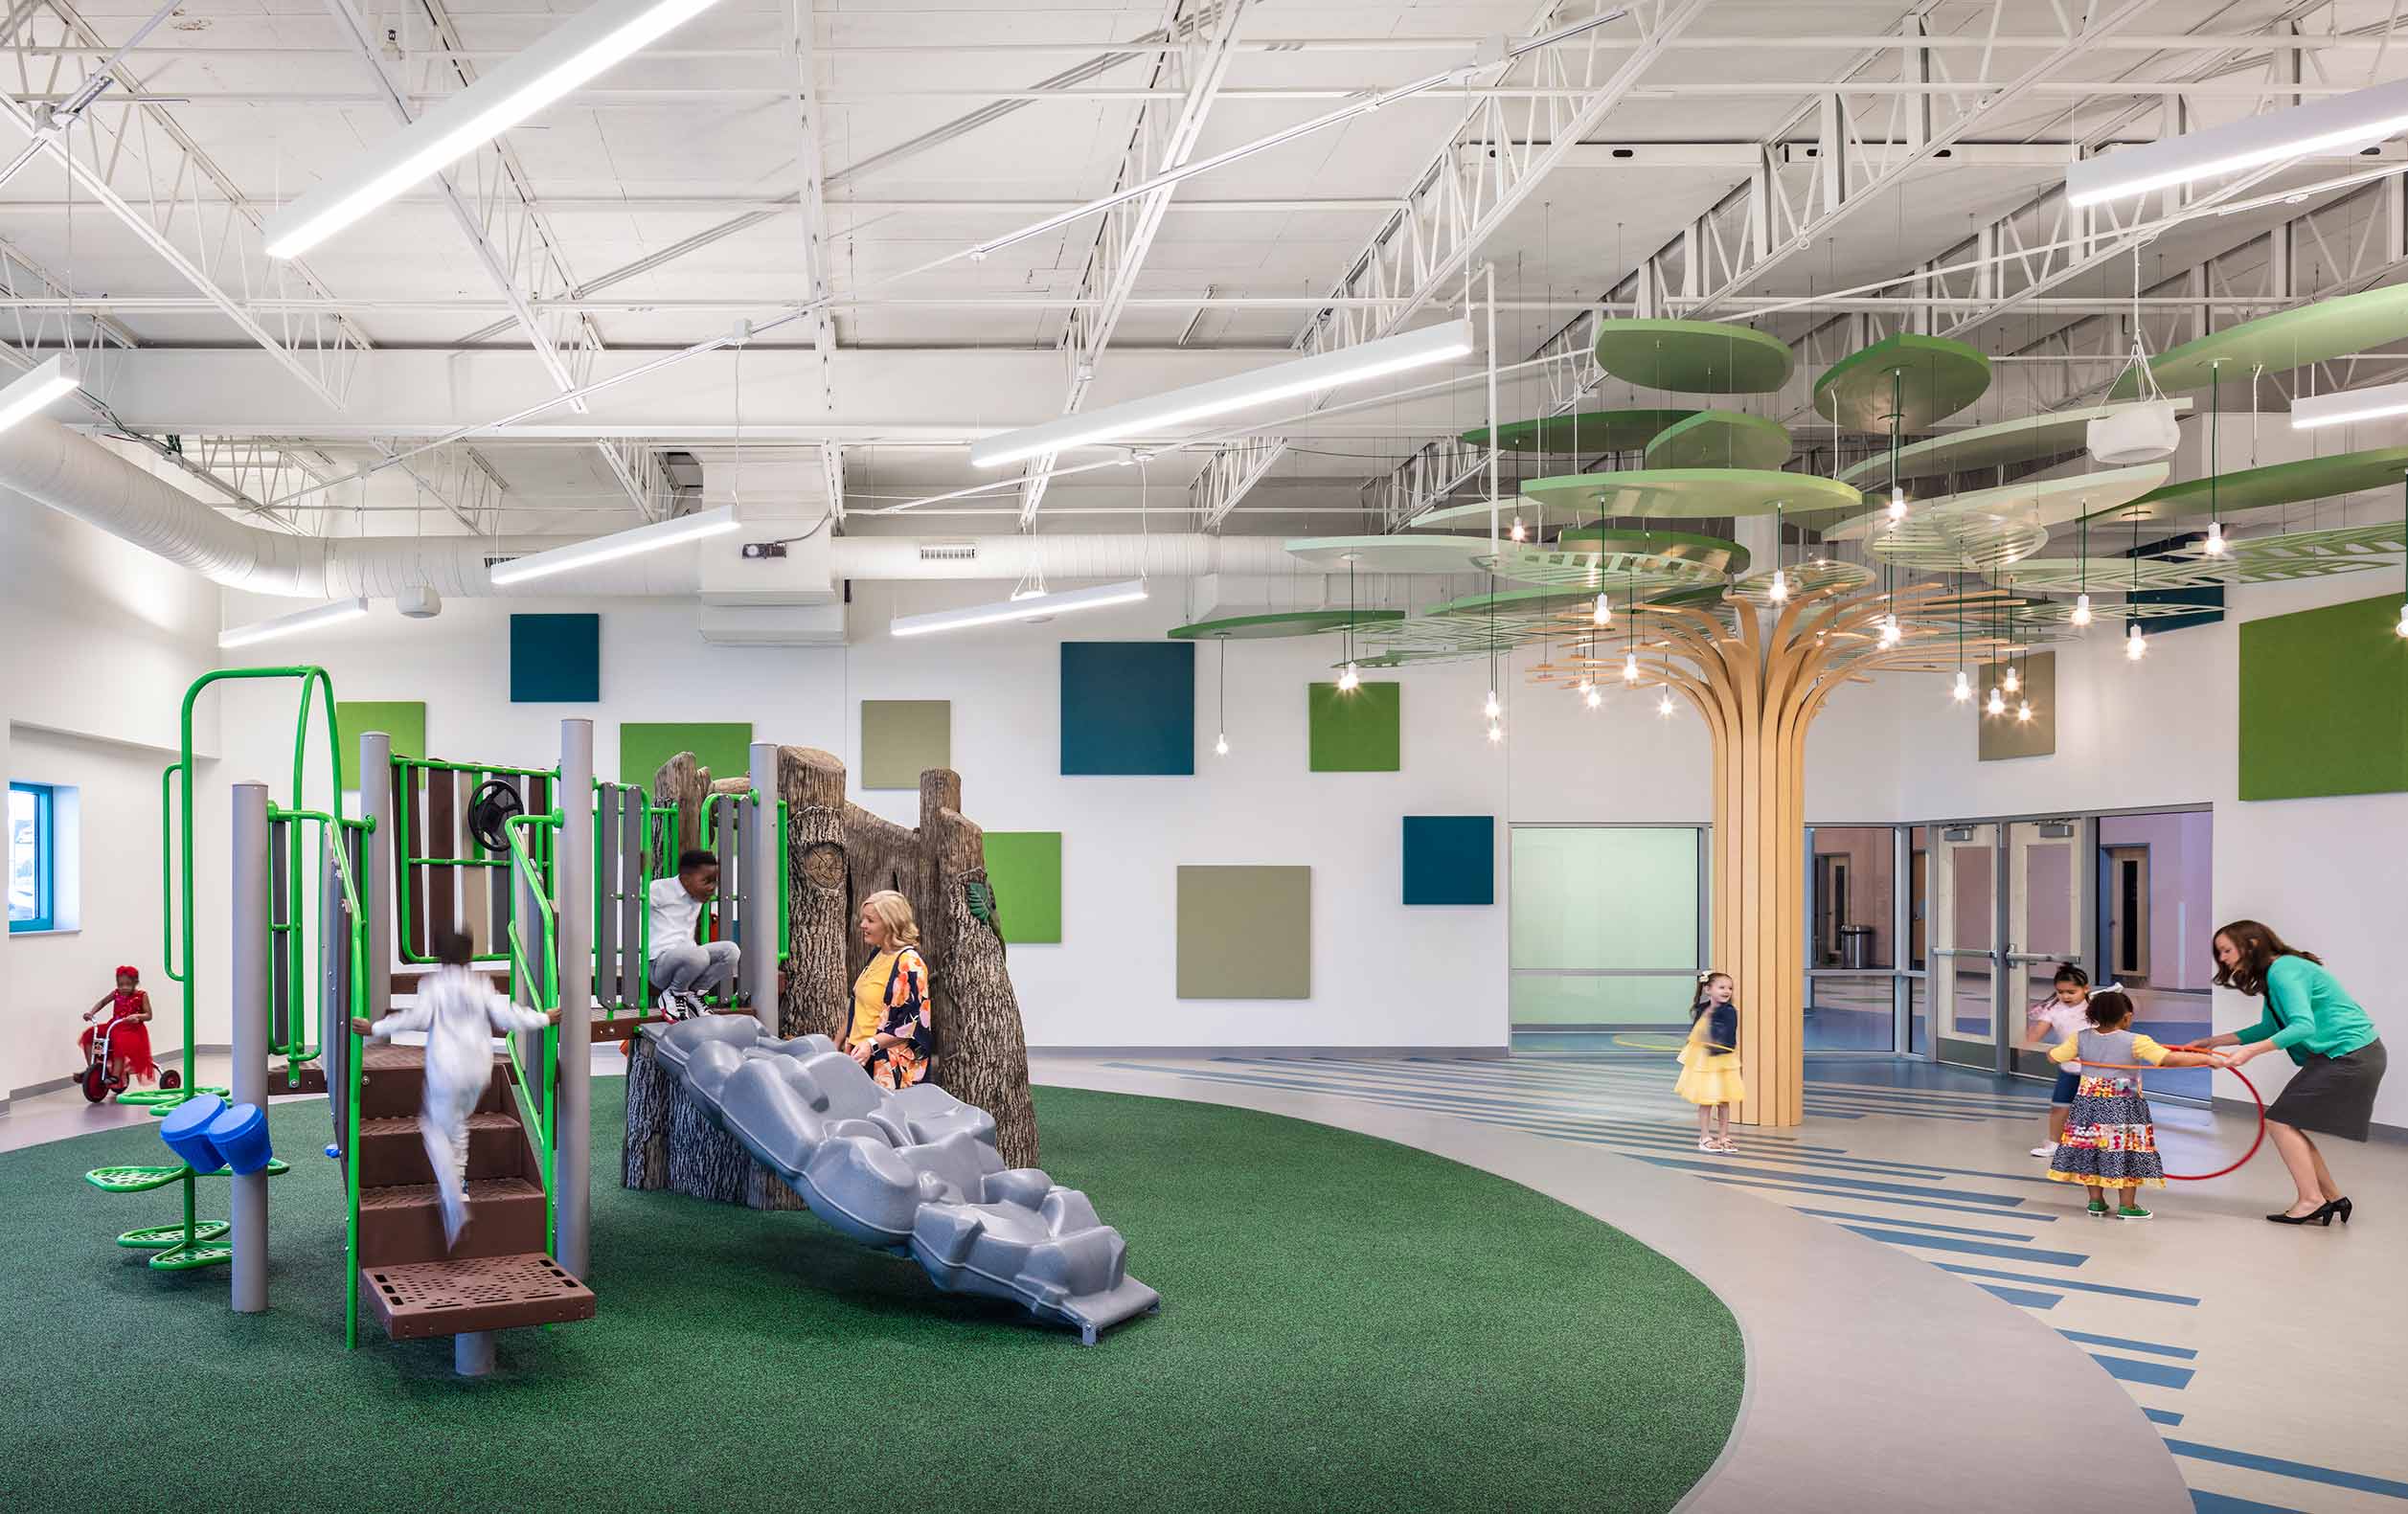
(555, 659)
(1128, 707)
(1451, 859)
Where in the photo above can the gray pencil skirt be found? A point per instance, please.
(2332, 1095)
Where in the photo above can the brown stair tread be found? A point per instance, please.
(409, 1195)
(482, 1293)
(407, 1124)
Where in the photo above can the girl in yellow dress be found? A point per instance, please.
(1710, 1062)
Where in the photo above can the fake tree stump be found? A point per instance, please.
(1758, 687)
(836, 855)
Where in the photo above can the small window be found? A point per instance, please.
(33, 857)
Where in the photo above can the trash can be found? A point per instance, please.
(1855, 945)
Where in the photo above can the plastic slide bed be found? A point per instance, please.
(911, 1170)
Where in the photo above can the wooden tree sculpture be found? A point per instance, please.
(838, 854)
(1758, 689)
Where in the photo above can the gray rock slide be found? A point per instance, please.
(912, 1170)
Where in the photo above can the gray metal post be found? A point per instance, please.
(253, 946)
(377, 891)
(472, 1353)
(758, 967)
(572, 1137)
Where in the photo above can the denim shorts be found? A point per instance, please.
(2067, 1081)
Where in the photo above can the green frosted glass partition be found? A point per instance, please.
(1605, 897)
(1653, 1002)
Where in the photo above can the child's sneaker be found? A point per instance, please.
(670, 1005)
(2044, 1151)
(2098, 1209)
(2132, 1211)
(696, 1007)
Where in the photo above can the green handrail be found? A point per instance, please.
(547, 985)
(351, 1073)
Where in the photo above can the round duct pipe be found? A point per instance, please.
(1185, 555)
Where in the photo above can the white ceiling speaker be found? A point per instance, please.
(419, 602)
(2129, 434)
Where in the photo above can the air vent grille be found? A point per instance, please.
(948, 551)
(493, 562)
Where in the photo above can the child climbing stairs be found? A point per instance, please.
(501, 1274)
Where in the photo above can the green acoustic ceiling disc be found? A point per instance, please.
(1471, 515)
(1713, 553)
(1692, 494)
(1804, 577)
(2022, 440)
(1694, 357)
(1920, 380)
(1590, 572)
(1515, 602)
(1402, 552)
(2033, 500)
(1282, 623)
(2276, 484)
(1581, 435)
(2281, 342)
(1720, 439)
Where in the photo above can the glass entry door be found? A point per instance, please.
(2048, 900)
(1962, 946)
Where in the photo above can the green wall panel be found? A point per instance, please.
(722, 746)
(1356, 732)
(402, 720)
(902, 738)
(2324, 702)
(1025, 867)
(1245, 932)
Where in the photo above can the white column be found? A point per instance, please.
(251, 946)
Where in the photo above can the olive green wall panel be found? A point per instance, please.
(2004, 737)
(902, 737)
(1356, 731)
(1245, 932)
(724, 747)
(2324, 702)
(402, 720)
(1024, 867)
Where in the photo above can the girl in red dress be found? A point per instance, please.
(129, 1041)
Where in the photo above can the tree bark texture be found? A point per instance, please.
(672, 1144)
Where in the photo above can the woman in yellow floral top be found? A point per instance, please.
(890, 1035)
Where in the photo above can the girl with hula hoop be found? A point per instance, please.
(2110, 1139)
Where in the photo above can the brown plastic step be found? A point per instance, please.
(480, 1293)
(394, 1082)
(403, 1222)
(312, 1080)
(392, 1151)
(405, 979)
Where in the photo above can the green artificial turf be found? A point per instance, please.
(1346, 1324)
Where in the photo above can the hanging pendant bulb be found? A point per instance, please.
(1603, 614)
(1663, 705)
(1891, 632)
(1963, 691)
(2081, 609)
(2023, 712)
(1897, 503)
(1349, 679)
(1220, 745)
(2216, 546)
(2403, 627)
(1997, 703)
(1520, 531)
(1781, 586)
(2135, 645)
(1496, 733)
(1595, 698)
(1630, 667)
(1491, 709)
(2013, 683)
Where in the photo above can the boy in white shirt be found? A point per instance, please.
(461, 1014)
(686, 971)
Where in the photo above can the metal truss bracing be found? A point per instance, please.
(1501, 151)
(456, 478)
(638, 467)
(832, 463)
(1195, 62)
(129, 155)
(810, 195)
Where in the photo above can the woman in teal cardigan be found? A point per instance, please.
(2340, 1059)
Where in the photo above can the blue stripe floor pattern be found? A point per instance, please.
(1920, 1225)
(2068, 1282)
(2178, 1352)
(2204, 1503)
(2022, 1296)
(1944, 1243)
(1807, 1187)
(2303, 1470)
(2162, 1416)
(2155, 1374)
(1857, 1184)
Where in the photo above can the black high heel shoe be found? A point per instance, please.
(2323, 1215)
(2342, 1207)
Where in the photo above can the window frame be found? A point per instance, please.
(45, 857)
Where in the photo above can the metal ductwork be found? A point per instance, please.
(72, 474)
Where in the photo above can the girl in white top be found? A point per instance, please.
(2061, 1012)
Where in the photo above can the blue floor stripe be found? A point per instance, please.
(2002, 1200)
(1920, 1225)
(2022, 1296)
(2068, 1282)
(1941, 1243)
(2204, 1503)
(2156, 1374)
(2162, 1416)
(2179, 1352)
(2305, 1472)
(1808, 1186)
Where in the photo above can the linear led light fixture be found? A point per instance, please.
(615, 546)
(1156, 414)
(2340, 124)
(293, 624)
(37, 386)
(1033, 607)
(2342, 406)
(567, 56)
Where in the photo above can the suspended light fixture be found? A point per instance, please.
(1997, 705)
(1519, 533)
(2342, 406)
(1349, 680)
(2216, 546)
(1892, 633)
(2135, 645)
(1780, 591)
(2340, 124)
(651, 538)
(2081, 609)
(570, 55)
(2403, 627)
(1897, 504)
(1164, 412)
(1604, 613)
(1963, 690)
(1031, 607)
(1491, 709)
(1496, 733)
(2023, 712)
(1596, 699)
(2013, 683)
(1663, 705)
(37, 386)
(298, 620)
(1221, 740)
(1630, 667)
